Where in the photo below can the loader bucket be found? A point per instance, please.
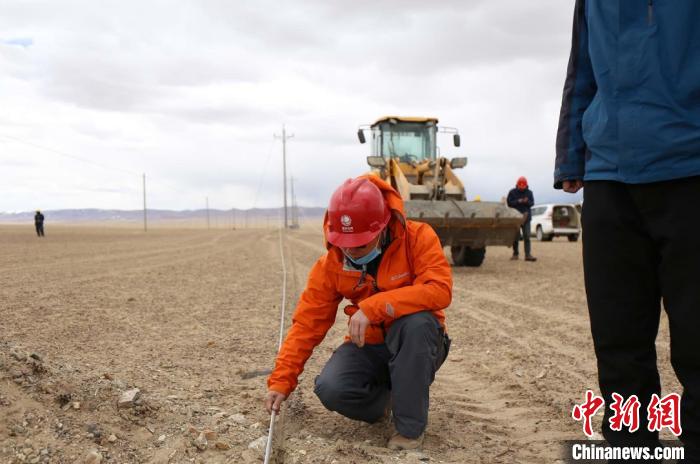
(473, 224)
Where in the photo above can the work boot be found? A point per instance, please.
(398, 442)
(530, 258)
(514, 258)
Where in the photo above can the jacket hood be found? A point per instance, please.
(391, 197)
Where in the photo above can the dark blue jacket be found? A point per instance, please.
(631, 105)
(522, 200)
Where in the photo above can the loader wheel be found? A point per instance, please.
(573, 237)
(466, 256)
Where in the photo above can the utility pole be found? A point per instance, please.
(207, 201)
(284, 138)
(145, 217)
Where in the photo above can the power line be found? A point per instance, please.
(262, 175)
(161, 185)
(68, 155)
(141, 176)
(87, 161)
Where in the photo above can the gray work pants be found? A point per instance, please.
(359, 382)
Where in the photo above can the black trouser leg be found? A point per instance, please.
(355, 382)
(526, 237)
(417, 347)
(516, 252)
(640, 245)
(676, 230)
(41, 229)
(620, 270)
(38, 230)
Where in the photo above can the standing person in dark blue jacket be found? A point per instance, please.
(522, 199)
(629, 134)
(39, 223)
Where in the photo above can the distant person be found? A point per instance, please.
(629, 135)
(522, 199)
(39, 223)
(395, 275)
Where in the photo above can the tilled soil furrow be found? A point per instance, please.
(191, 318)
(104, 254)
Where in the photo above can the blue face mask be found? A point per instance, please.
(366, 258)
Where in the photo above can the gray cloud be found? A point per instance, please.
(190, 92)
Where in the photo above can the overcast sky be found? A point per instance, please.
(191, 93)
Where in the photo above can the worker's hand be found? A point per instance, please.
(572, 186)
(273, 401)
(358, 327)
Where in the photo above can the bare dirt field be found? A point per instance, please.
(190, 318)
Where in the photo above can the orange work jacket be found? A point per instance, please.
(413, 276)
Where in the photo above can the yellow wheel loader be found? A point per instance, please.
(405, 153)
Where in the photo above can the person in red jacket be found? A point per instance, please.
(394, 273)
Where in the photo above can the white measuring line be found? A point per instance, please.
(268, 447)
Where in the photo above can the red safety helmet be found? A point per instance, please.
(357, 213)
(522, 183)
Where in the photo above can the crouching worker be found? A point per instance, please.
(396, 276)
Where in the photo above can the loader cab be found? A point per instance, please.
(407, 140)
(410, 140)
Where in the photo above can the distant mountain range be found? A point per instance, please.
(231, 216)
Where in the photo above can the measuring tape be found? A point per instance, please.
(268, 447)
